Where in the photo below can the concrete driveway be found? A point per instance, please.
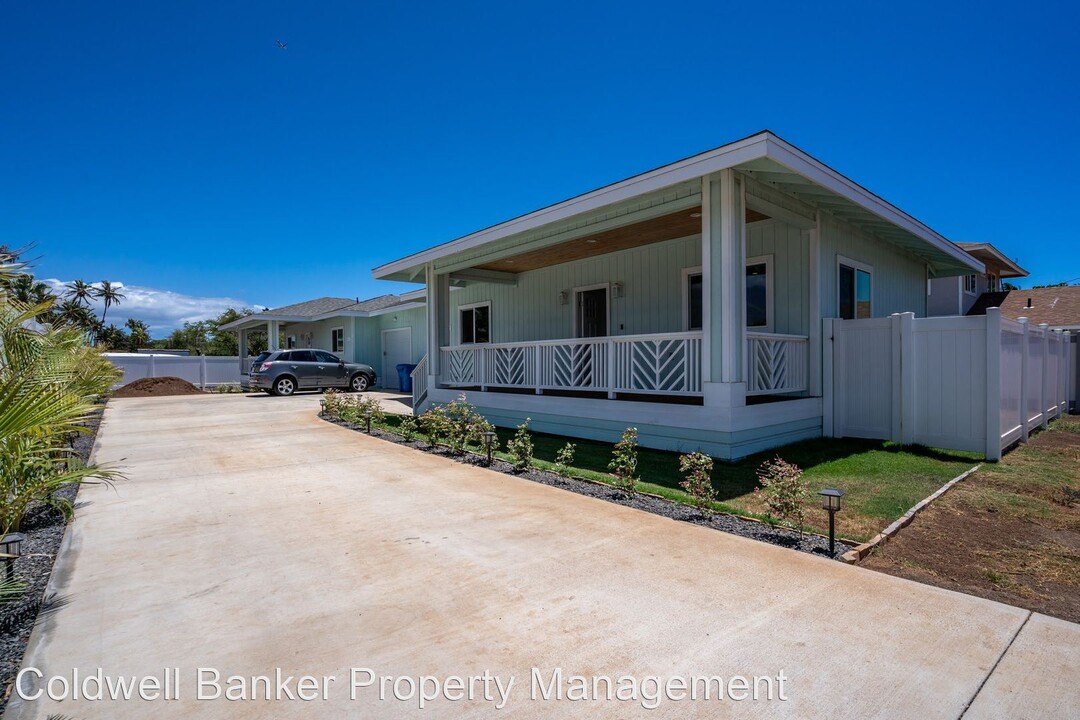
(251, 536)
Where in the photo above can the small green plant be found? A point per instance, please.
(783, 490)
(520, 447)
(331, 403)
(624, 461)
(434, 425)
(465, 426)
(698, 467)
(408, 427)
(564, 459)
(371, 411)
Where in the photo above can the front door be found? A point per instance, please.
(592, 313)
(397, 349)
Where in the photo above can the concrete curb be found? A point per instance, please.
(858, 553)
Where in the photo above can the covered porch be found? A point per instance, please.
(687, 301)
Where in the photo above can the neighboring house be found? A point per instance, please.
(686, 301)
(381, 332)
(957, 295)
(1058, 307)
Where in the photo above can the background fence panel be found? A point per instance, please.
(960, 383)
(197, 370)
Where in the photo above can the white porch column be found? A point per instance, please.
(814, 310)
(438, 320)
(723, 269)
(242, 349)
(272, 335)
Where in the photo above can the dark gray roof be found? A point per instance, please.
(323, 305)
(311, 308)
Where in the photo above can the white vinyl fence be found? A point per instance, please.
(961, 383)
(199, 370)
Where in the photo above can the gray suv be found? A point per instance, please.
(283, 372)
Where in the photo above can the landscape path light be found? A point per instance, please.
(489, 438)
(11, 546)
(367, 418)
(830, 500)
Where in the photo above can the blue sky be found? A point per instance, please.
(174, 147)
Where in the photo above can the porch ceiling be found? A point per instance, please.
(659, 229)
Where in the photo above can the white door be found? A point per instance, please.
(396, 348)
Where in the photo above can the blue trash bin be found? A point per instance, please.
(404, 373)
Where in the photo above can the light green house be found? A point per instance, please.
(381, 332)
(686, 301)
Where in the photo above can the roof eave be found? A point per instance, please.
(761, 145)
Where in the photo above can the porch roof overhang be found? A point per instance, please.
(994, 260)
(660, 195)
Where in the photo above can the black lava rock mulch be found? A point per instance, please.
(640, 501)
(44, 529)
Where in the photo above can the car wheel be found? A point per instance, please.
(359, 383)
(284, 386)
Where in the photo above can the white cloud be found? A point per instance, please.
(162, 310)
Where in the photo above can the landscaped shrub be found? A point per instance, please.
(564, 459)
(520, 447)
(331, 403)
(783, 490)
(434, 425)
(698, 469)
(408, 427)
(623, 463)
(465, 426)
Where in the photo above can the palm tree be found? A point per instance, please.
(72, 314)
(80, 291)
(109, 294)
(138, 334)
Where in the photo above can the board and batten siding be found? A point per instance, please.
(369, 334)
(653, 295)
(790, 251)
(530, 310)
(899, 279)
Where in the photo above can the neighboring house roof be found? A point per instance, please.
(764, 157)
(1058, 307)
(995, 261)
(327, 307)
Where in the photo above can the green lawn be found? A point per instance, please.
(880, 480)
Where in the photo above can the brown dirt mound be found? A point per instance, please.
(157, 387)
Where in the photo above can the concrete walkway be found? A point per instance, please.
(252, 536)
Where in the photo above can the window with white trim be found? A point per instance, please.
(337, 339)
(475, 323)
(759, 295)
(290, 341)
(855, 289)
(970, 283)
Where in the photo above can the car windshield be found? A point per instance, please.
(260, 357)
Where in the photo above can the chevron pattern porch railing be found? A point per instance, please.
(777, 363)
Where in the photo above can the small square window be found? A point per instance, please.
(475, 324)
(337, 340)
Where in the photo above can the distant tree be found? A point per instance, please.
(1009, 287)
(80, 292)
(112, 338)
(1052, 285)
(110, 295)
(72, 314)
(138, 334)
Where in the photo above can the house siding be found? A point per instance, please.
(652, 278)
(320, 335)
(899, 279)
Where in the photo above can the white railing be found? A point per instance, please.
(777, 363)
(658, 364)
(419, 381)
